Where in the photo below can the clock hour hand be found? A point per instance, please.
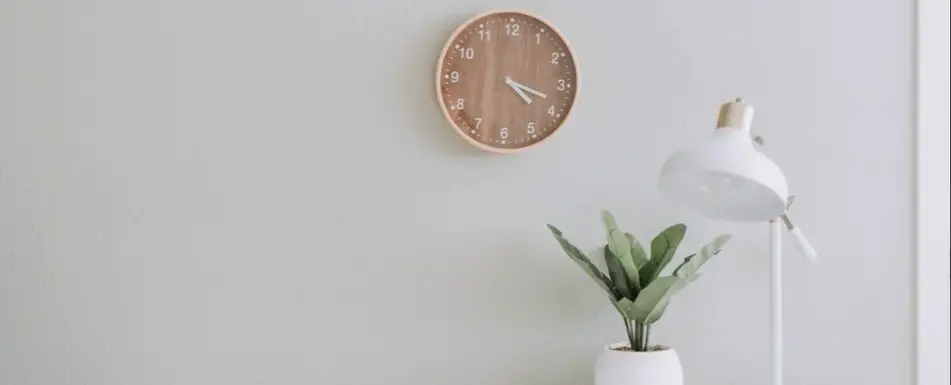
(518, 91)
(513, 83)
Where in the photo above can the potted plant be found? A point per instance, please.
(636, 288)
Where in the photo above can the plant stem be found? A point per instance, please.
(647, 337)
(630, 333)
(638, 337)
(642, 335)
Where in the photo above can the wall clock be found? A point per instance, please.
(506, 80)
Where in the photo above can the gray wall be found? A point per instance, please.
(264, 192)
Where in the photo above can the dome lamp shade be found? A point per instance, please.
(726, 177)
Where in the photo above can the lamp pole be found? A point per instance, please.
(775, 302)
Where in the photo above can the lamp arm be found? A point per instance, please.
(802, 243)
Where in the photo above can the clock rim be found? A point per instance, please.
(439, 67)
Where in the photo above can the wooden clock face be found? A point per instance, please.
(506, 80)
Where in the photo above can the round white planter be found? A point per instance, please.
(660, 367)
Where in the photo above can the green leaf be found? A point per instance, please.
(628, 252)
(618, 308)
(585, 263)
(619, 246)
(653, 300)
(663, 247)
(617, 274)
(609, 223)
(623, 272)
(692, 278)
(627, 308)
(692, 264)
(637, 252)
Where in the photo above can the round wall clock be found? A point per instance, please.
(506, 80)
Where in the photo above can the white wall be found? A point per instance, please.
(264, 192)
(933, 192)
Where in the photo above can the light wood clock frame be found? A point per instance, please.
(507, 80)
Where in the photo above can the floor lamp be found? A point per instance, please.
(728, 179)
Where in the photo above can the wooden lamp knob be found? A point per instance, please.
(736, 114)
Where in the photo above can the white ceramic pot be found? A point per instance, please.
(661, 367)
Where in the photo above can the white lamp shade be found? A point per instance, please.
(726, 179)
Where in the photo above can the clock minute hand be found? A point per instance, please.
(531, 91)
(511, 82)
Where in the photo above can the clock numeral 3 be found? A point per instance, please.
(561, 85)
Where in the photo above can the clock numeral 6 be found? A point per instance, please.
(561, 85)
(466, 53)
(504, 133)
(531, 128)
(460, 104)
(454, 77)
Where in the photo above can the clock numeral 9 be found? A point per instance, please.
(466, 53)
(551, 111)
(454, 77)
(554, 57)
(504, 132)
(531, 128)
(460, 104)
(561, 85)
(511, 29)
(485, 35)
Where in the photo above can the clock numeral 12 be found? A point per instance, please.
(511, 29)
